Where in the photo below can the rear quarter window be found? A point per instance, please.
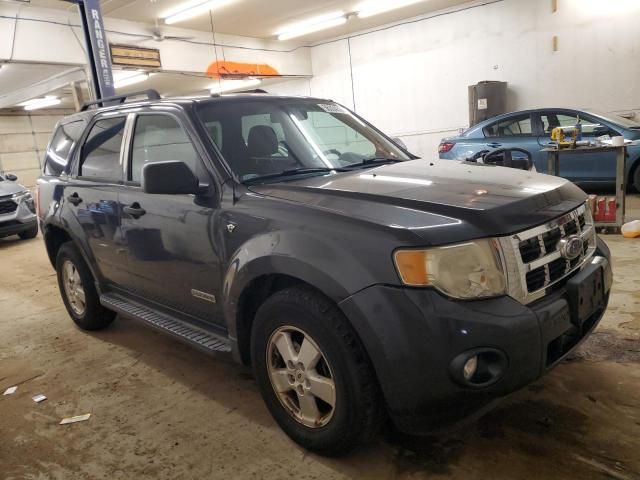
(61, 147)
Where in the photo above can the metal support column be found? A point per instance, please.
(98, 53)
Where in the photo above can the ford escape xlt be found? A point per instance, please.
(359, 282)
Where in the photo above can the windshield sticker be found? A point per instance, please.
(332, 108)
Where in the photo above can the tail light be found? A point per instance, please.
(445, 147)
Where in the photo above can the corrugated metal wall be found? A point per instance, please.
(23, 140)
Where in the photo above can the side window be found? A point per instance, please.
(590, 126)
(101, 151)
(512, 127)
(160, 138)
(64, 139)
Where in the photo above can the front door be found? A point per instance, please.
(582, 167)
(92, 194)
(170, 239)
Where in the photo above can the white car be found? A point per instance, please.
(17, 209)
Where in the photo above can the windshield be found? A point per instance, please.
(269, 138)
(613, 118)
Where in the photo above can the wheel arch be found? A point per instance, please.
(248, 288)
(55, 236)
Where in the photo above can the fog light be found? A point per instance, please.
(479, 368)
(470, 368)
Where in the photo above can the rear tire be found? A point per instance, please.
(78, 290)
(29, 234)
(295, 316)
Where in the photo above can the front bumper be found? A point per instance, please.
(413, 337)
(22, 219)
(14, 227)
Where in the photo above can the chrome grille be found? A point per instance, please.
(532, 260)
(7, 206)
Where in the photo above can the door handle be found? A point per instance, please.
(494, 145)
(135, 210)
(74, 198)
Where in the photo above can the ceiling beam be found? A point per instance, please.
(43, 87)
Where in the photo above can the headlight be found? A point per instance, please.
(25, 197)
(468, 270)
(18, 197)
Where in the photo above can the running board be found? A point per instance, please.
(198, 337)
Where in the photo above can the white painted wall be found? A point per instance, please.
(411, 80)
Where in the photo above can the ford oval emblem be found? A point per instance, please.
(570, 247)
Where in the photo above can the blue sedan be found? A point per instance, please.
(531, 131)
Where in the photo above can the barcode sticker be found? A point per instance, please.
(332, 108)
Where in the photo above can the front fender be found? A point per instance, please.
(327, 265)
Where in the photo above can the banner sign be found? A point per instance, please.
(129, 56)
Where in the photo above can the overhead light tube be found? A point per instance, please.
(374, 7)
(312, 25)
(130, 80)
(192, 9)
(36, 103)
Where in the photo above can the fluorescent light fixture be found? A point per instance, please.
(311, 25)
(36, 103)
(375, 7)
(192, 9)
(125, 79)
(234, 85)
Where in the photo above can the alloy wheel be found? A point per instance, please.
(73, 288)
(301, 376)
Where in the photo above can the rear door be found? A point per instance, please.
(92, 195)
(516, 131)
(173, 251)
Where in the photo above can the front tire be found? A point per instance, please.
(313, 372)
(29, 234)
(78, 290)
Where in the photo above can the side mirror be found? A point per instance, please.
(400, 143)
(11, 177)
(169, 178)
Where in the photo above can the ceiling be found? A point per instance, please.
(259, 18)
(168, 84)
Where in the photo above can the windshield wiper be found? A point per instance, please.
(292, 172)
(366, 162)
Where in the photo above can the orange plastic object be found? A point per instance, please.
(631, 229)
(224, 69)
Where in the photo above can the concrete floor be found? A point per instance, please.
(161, 410)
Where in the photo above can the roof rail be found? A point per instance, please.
(150, 94)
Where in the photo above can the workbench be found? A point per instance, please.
(553, 168)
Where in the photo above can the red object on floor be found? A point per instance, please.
(600, 213)
(611, 209)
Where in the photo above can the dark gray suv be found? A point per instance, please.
(360, 282)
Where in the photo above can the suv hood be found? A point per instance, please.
(471, 200)
(9, 188)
